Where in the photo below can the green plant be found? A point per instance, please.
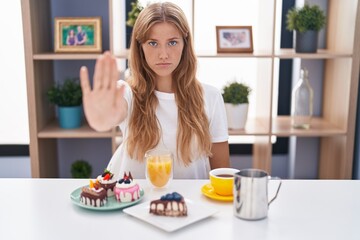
(305, 18)
(236, 93)
(81, 169)
(136, 8)
(66, 95)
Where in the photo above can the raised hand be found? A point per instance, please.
(104, 105)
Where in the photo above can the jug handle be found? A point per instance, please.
(277, 191)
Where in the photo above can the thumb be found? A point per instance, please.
(119, 95)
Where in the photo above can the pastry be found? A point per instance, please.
(108, 182)
(93, 195)
(171, 204)
(126, 189)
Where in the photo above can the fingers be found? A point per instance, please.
(105, 72)
(98, 73)
(114, 75)
(110, 72)
(84, 80)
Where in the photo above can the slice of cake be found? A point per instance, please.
(171, 204)
(93, 195)
(126, 189)
(108, 182)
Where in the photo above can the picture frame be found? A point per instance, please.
(77, 35)
(234, 39)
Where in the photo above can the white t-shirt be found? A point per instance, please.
(167, 115)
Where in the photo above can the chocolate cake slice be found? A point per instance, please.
(94, 195)
(107, 181)
(171, 204)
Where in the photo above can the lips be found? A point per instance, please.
(163, 64)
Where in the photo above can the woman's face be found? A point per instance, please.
(163, 49)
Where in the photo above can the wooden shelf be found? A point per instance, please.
(52, 130)
(280, 53)
(281, 126)
(74, 56)
(254, 127)
(321, 54)
(66, 56)
(255, 54)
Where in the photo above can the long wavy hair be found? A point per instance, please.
(193, 125)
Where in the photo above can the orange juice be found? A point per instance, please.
(159, 170)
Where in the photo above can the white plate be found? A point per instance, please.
(196, 212)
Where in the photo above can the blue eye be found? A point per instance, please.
(172, 43)
(153, 43)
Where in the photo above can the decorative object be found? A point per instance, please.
(234, 39)
(302, 102)
(81, 169)
(236, 98)
(307, 22)
(136, 8)
(77, 34)
(68, 98)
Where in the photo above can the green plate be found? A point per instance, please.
(111, 203)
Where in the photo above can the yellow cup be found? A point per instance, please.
(222, 180)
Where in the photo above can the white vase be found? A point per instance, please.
(236, 115)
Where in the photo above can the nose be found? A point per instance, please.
(163, 52)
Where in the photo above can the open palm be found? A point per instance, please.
(104, 104)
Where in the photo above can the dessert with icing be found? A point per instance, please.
(126, 189)
(108, 182)
(171, 204)
(93, 195)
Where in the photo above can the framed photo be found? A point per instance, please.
(234, 39)
(77, 34)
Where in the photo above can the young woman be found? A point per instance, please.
(71, 38)
(162, 103)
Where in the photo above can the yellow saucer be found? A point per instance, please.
(208, 191)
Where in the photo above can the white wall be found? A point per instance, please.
(14, 127)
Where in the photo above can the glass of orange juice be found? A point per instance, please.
(159, 167)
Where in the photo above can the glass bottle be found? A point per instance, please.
(302, 102)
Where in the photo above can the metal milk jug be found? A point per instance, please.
(251, 194)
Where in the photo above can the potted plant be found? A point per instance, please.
(81, 169)
(306, 22)
(236, 98)
(136, 8)
(68, 98)
(132, 15)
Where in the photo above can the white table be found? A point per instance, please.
(41, 209)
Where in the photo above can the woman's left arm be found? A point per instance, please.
(220, 155)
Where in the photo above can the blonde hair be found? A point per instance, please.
(193, 125)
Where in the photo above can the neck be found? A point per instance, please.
(164, 84)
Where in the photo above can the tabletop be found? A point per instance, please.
(304, 209)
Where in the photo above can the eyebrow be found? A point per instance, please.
(170, 39)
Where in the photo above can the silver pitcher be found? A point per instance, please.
(251, 194)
